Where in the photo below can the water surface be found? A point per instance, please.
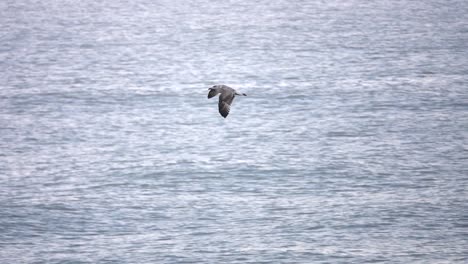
(351, 146)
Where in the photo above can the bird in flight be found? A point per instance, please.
(226, 97)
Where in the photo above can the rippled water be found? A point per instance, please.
(351, 146)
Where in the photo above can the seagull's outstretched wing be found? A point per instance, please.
(212, 92)
(224, 105)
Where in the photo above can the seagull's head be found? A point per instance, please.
(214, 87)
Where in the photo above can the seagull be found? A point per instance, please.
(226, 96)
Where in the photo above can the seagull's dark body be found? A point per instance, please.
(226, 97)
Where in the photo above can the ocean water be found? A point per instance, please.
(351, 146)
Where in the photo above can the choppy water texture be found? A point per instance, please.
(351, 146)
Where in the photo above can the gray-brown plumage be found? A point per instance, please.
(226, 97)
